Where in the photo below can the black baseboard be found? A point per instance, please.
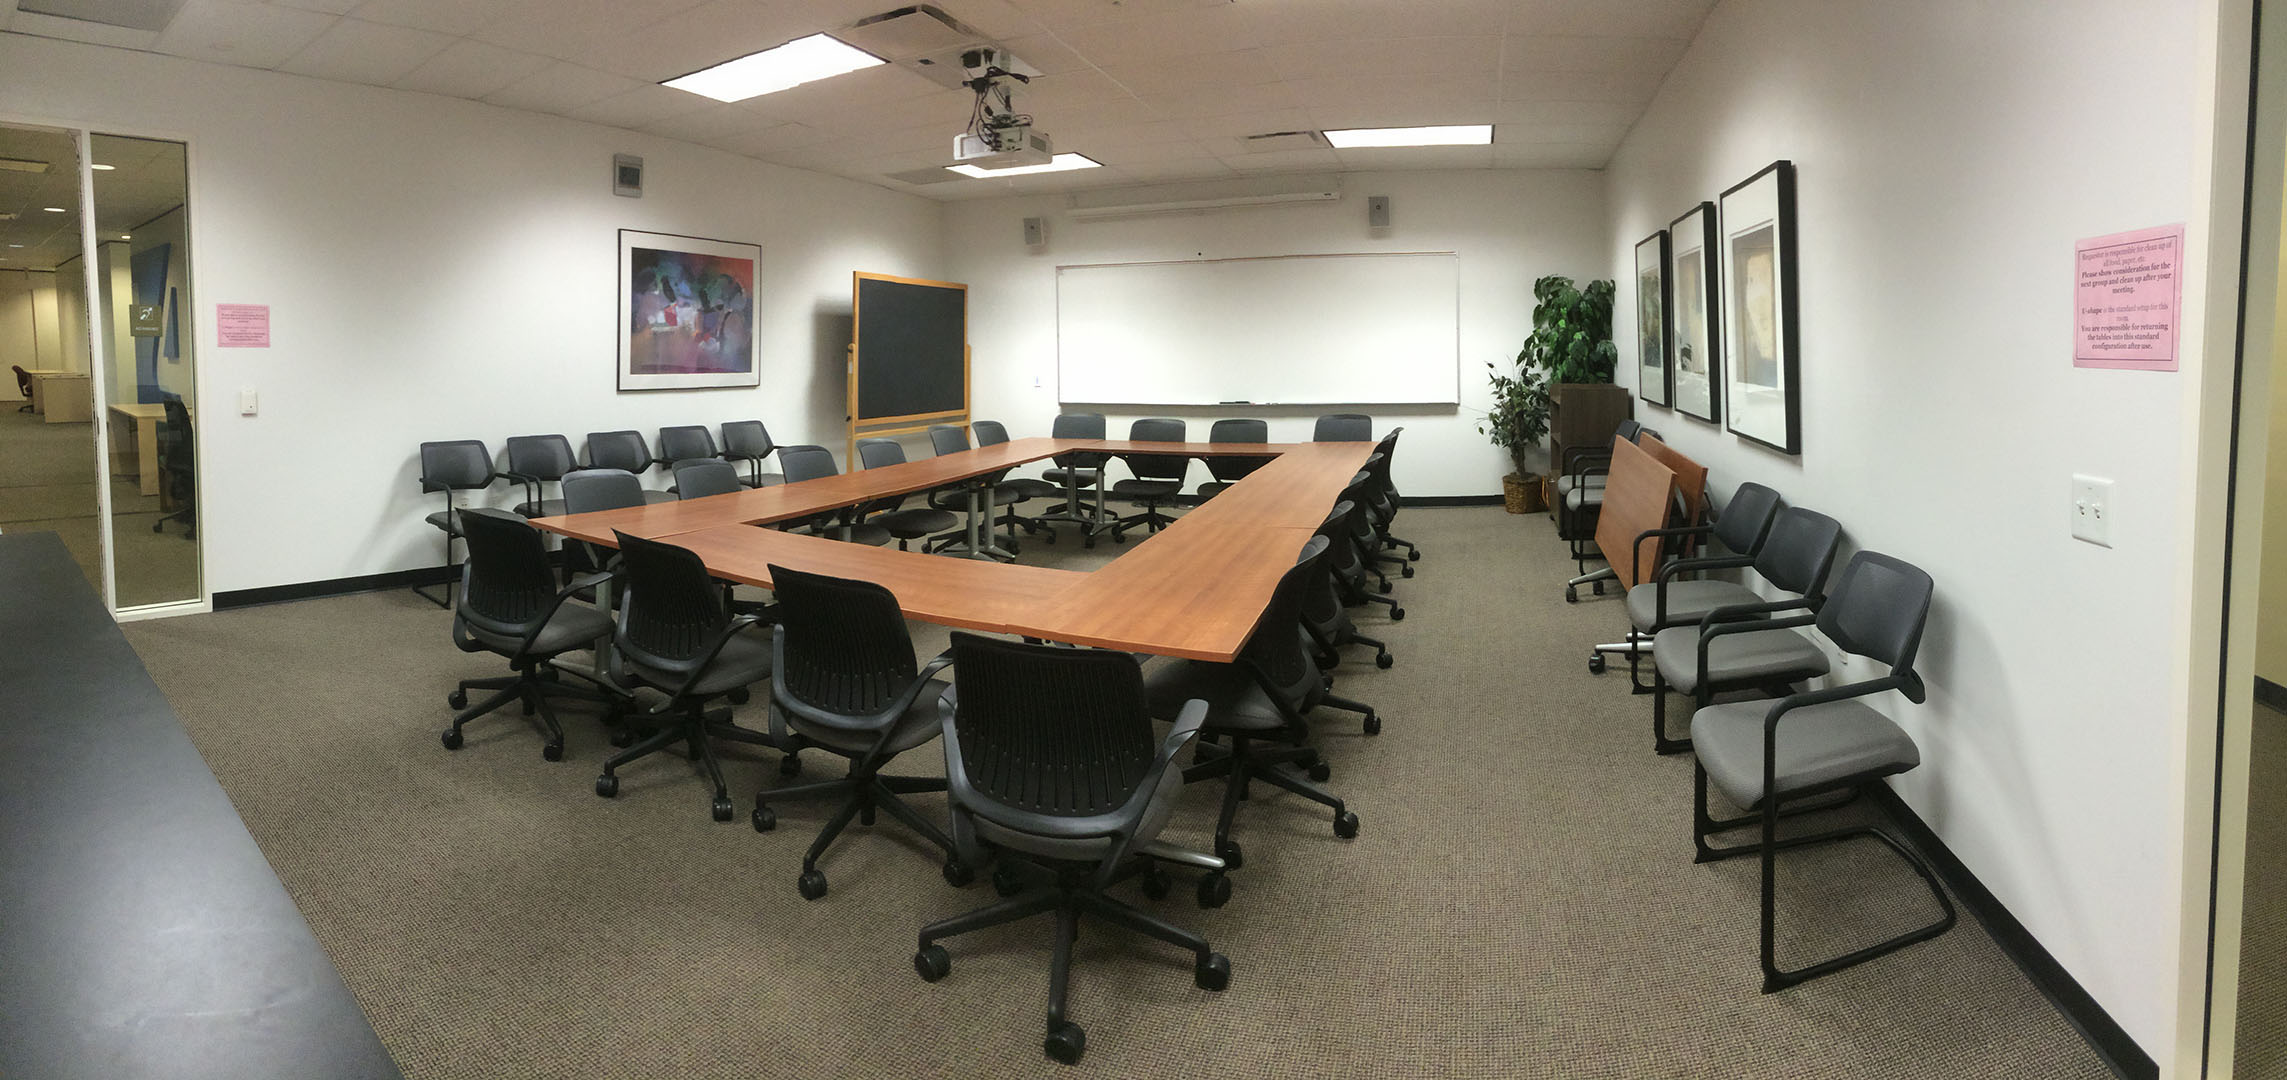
(2270, 694)
(311, 590)
(2120, 1052)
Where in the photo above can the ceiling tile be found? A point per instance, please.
(1150, 131)
(323, 7)
(1606, 135)
(472, 69)
(1258, 122)
(1635, 88)
(456, 17)
(1288, 21)
(1566, 112)
(1062, 15)
(560, 88)
(713, 120)
(1189, 169)
(772, 140)
(1412, 99)
(994, 19)
(1152, 37)
(1207, 102)
(1284, 159)
(1145, 153)
(1416, 157)
(1339, 117)
(1678, 19)
(1203, 72)
(245, 34)
(1550, 156)
(363, 52)
(1070, 89)
(51, 26)
(568, 29)
(693, 39)
(1389, 56)
(1571, 53)
(828, 100)
(1046, 54)
(640, 106)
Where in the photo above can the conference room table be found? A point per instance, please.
(1195, 589)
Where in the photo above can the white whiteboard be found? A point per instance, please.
(1287, 330)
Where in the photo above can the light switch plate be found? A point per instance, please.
(2092, 510)
(248, 403)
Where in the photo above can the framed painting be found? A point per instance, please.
(1653, 382)
(1695, 355)
(1760, 399)
(686, 312)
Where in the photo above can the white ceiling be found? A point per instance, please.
(1157, 90)
(145, 180)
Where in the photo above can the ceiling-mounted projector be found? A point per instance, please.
(999, 137)
(1003, 148)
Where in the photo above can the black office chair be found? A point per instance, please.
(1672, 598)
(1229, 469)
(749, 441)
(1157, 481)
(1359, 532)
(699, 478)
(510, 605)
(1760, 754)
(1053, 763)
(1076, 473)
(536, 461)
(178, 469)
(1325, 610)
(1343, 427)
(627, 452)
(689, 442)
(1383, 503)
(1258, 704)
(23, 386)
(1579, 491)
(812, 462)
(953, 439)
(590, 490)
(903, 522)
(448, 467)
(674, 636)
(1019, 489)
(1795, 558)
(843, 678)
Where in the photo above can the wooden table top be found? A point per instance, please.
(1193, 590)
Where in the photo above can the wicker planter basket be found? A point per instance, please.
(1523, 494)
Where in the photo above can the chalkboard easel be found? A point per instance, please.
(908, 356)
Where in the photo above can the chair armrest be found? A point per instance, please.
(1678, 567)
(1904, 682)
(714, 648)
(1709, 631)
(1745, 613)
(1636, 554)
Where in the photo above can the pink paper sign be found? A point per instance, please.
(2127, 293)
(242, 326)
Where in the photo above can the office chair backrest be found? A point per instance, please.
(1877, 610)
(544, 457)
(455, 465)
(1643, 433)
(746, 440)
(1627, 429)
(670, 611)
(989, 432)
(702, 477)
(506, 582)
(1279, 650)
(175, 434)
(842, 648)
(23, 380)
(877, 453)
(590, 490)
(1048, 730)
(1082, 425)
(806, 462)
(1746, 519)
(948, 439)
(1341, 560)
(1231, 467)
(1799, 550)
(1343, 427)
(1157, 466)
(623, 450)
(685, 443)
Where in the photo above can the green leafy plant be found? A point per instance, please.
(1572, 331)
(1518, 420)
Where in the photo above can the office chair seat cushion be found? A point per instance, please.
(1688, 601)
(448, 520)
(744, 661)
(1212, 488)
(957, 501)
(655, 497)
(573, 627)
(1584, 499)
(1147, 489)
(1734, 659)
(863, 533)
(1084, 477)
(1565, 483)
(1818, 745)
(543, 508)
(915, 521)
(1235, 701)
(1028, 488)
(1155, 815)
(919, 724)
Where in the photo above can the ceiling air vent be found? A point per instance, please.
(1282, 140)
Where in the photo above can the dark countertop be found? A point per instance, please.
(142, 934)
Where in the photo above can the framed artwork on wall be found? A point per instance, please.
(1653, 381)
(686, 312)
(1760, 398)
(1695, 355)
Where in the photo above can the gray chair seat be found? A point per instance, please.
(920, 724)
(1155, 818)
(1060, 477)
(744, 661)
(1235, 701)
(543, 508)
(1818, 745)
(1212, 488)
(572, 627)
(1147, 489)
(914, 521)
(1763, 656)
(1028, 488)
(1688, 601)
(1565, 483)
(957, 500)
(1586, 498)
(448, 520)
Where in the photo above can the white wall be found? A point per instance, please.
(442, 269)
(1948, 155)
(1509, 227)
(28, 330)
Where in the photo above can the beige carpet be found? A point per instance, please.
(1521, 900)
(2260, 1050)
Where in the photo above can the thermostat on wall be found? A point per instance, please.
(627, 175)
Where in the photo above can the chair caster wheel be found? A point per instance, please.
(1006, 881)
(1599, 587)
(1345, 825)
(1406, 570)
(1383, 660)
(1065, 1043)
(1596, 663)
(1049, 539)
(458, 699)
(1413, 555)
(1320, 772)
(1212, 971)
(1156, 884)
(933, 962)
(764, 818)
(1119, 538)
(1228, 851)
(739, 696)
(811, 884)
(1385, 587)
(1571, 595)
(1373, 725)
(958, 874)
(1215, 890)
(789, 766)
(451, 739)
(607, 786)
(722, 808)
(552, 752)
(1397, 614)
(623, 738)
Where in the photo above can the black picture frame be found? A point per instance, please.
(1654, 382)
(1695, 338)
(1762, 399)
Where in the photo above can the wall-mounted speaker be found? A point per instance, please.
(1377, 211)
(1035, 232)
(627, 175)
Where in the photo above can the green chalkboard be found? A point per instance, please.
(910, 347)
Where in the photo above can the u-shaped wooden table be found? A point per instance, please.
(1195, 589)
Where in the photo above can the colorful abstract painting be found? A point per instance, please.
(686, 312)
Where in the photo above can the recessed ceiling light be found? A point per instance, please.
(126, 236)
(1059, 163)
(23, 165)
(53, 209)
(100, 167)
(771, 70)
(15, 245)
(1447, 135)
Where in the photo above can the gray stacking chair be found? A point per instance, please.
(903, 522)
(1762, 753)
(689, 442)
(1670, 599)
(510, 605)
(813, 462)
(1229, 469)
(1795, 558)
(1579, 491)
(451, 466)
(627, 452)
(1017, 489)
(1157, 481)
(537, 461)
(587, 491)
(1076, 473)
(698, 478)
(749, 441)
(1056, 772)
(1343, 427)
(843, 678)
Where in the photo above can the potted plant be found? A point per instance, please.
(1572, 342)
(1517, 423)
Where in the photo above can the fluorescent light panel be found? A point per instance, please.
(1446, 135)
(101, 167)
(771, 70)
(23, 165)
(1059, 163)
